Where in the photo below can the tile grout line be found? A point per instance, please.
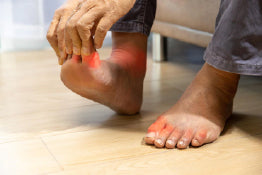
(60, 166)
(104, 161)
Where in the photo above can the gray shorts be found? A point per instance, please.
(237, 42)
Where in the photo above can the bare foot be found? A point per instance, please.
(200, 114)
(118, 81)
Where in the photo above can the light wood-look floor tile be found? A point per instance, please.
(26, 157)
(47, 129)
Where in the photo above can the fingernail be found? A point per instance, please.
(76, 51)
(60, 61)
(159, 141)
(151, 134)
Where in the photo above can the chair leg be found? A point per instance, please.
(159, 47)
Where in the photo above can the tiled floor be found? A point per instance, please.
(47, 129)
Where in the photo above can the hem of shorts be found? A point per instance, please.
(229, 66)
(131, 27)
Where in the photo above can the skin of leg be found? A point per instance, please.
(200, 114)
(116, 82)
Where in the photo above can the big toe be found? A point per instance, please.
(150, 138)
(154, 130)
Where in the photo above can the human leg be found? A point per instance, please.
(200, 114)
(118, 81)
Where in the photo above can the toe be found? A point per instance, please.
(173, 138)
(199, 138)
(163, 135)
(185, 139)
(205, 136)
(150, 138)
(154, 130)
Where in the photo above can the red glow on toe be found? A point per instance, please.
(202, 134)
(169, 128)
(92, 60)
(158, 125)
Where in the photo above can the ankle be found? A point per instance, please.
(225, 81)
(129, 51)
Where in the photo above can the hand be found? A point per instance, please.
(81, 20)
(93, 18)
(55, 34)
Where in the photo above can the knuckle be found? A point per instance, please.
(70, 25)
(60, 30)
(89, 26)
(62, 10)
(80, 25)
(101, 29)
(50, 37)
(59, 11)
(84, 30)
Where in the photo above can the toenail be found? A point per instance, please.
(181, 143)
(195, 142)
(170, 142)
(159, 141)
(151, 134)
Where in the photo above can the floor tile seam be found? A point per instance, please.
(51, 154)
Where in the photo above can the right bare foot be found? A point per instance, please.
(200, 114)
(118, 81)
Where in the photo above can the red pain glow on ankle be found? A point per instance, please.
(92, 60)
(129, 56)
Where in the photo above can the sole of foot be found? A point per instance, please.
(118, 81)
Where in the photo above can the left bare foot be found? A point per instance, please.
(118, 81)
(200, 114)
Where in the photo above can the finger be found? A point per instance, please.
(76, 58)
(92, 60)
(85, 26)
(67, 37)
(60, 37)
(52, 35)
(73, 40)
(103, 26)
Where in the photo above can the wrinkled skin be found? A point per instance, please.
(80, 26)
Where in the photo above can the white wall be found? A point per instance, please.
(23, 23)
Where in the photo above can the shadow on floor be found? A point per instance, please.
(250, 125)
